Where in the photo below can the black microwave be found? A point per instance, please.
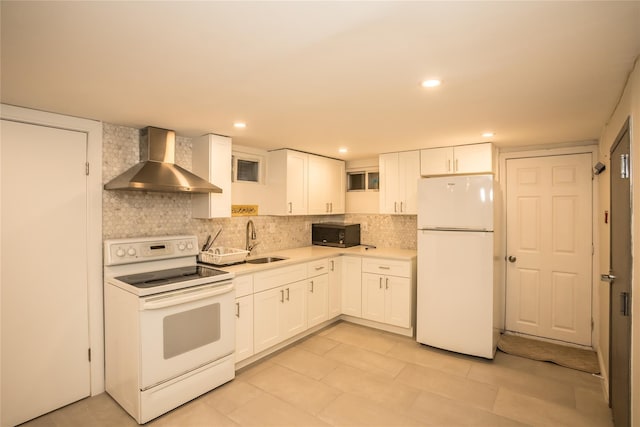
(335, 234)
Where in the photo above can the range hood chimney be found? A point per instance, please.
(157, 170)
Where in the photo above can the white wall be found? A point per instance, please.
(362, 202)
(629, 106)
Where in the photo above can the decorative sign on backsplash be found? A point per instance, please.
(244, 210)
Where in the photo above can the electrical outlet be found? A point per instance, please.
(364, 226)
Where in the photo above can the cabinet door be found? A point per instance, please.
(326, 185)
(336, 180)
(268, 310)
(244, 327)
(352, 286)
(297, 164)
(211, 159)
(373, 293)
(319, 171)
(294, 309)
(436, 161)
(475, 158)
(397, 301)
(388, 192)
(409, 170)
(317, 300)
(335, 286)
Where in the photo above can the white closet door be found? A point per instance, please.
(45, 327)
(549, 243)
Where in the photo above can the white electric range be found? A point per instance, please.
(169, 324)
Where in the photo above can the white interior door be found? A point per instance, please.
(549, 247)
(45, 329)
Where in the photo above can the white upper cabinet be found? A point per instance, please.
(287, 181)
(461, 159)
(211, 160)
(399, 174)
(326, 185)
(301, 184)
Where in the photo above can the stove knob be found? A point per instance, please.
(120, 252)
(181, 246)
(131, 252)
(189, 245)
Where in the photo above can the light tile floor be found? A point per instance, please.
(350, 375)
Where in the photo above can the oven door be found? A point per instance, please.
(184, 330)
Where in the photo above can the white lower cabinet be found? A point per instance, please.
(244, 327)
(294, 309)
(279, 305)
(317, 300)
(244, 317)
(289, 300)
(317, 292)
(352, 286)
(387, 298)
(335, 287)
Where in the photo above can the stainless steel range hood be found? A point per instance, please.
(157, 170)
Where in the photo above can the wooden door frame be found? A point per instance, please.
(587, 147)
(93, 130)
(626, 128)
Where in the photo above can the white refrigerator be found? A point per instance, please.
(459, 296)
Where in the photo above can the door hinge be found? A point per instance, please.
(86, 168)
(89, 354)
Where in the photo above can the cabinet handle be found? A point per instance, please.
(331, 207)
(384, 267)
(281, 295)
(401, 207)
(320, 267)
(381, 283)
(387, 283)
(312, 286)
(326, 207)
(395, 206)
(287, 294)
(237, 309)
(449, 165)
(456, 168)
(290, 207)
(332, 266)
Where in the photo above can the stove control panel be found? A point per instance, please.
(127, 251)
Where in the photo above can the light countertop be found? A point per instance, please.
(311, 253)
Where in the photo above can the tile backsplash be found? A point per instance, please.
(145, 213)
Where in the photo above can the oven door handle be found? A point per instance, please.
(186, 296)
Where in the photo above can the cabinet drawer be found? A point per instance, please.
(269, 279)
(244, 285)
(386, 266)
(315, 268)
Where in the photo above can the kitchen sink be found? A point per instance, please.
(265, 260)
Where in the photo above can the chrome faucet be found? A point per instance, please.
(250, 236)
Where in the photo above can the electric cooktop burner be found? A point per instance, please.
(172, 275)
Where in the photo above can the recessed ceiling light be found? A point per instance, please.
(342, 150)
(431, 83)
(488, 134)
(240, 125)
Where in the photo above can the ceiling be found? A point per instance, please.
(316, 76)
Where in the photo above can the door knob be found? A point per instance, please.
(511, 258)
(607, 277)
